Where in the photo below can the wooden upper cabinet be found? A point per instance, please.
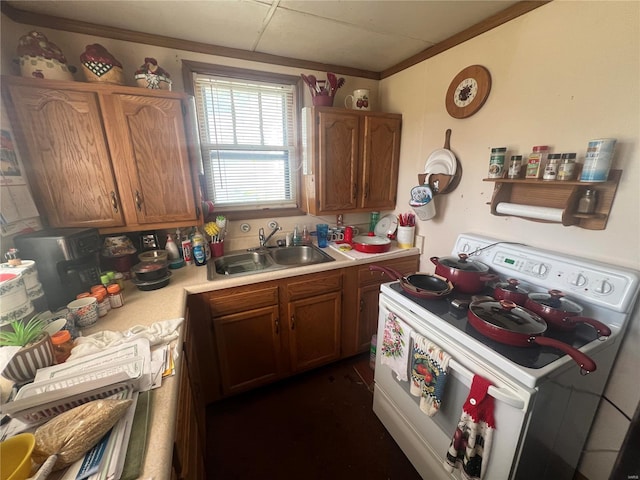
(351, 160)
(66, 155)
(111, 157)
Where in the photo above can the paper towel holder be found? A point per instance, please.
(554, 194)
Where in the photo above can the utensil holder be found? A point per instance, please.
(405, 236)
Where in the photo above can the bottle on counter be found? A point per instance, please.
(306, 236)
(171, 248)
(116, 299)
(62, 345)
(373, 221)
(297, 237)
(198, 248)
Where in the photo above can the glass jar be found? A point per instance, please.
(515, 167)
(537, 161)
(116, 299)
(103, 303)
(566, 170)
(551, 169)
(588, 201)
(62, 345)
(496, 162)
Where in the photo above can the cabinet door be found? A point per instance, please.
(380, 162)
(150, 134)
(314, 330)
(66, 156)
(367, 315)
(248, 348)
(338, 154)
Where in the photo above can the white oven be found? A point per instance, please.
(544, 405)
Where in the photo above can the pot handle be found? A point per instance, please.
(587, 365)
(389, 271)
(601, 329)
(434, 260)
(489, 277)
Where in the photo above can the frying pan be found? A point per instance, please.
(506, 322)
(561, 313)
(420, 285)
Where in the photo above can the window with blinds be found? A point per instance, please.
(249, 142)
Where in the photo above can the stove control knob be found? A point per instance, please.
(579, 280)
(604, 287)
(540, 269)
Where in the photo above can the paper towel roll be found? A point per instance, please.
(530, 211)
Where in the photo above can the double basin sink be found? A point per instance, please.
(265, 259)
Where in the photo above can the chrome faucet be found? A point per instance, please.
(263, 240)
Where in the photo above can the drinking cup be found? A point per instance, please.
(322, 232)
(85, 311)
(359, 100)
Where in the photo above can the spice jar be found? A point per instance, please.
(588, 201)
(515, 167)
(103, 303)
(551, 169)
(62, 345)
(496, 162)
(116, 299)
(536, 161)
(567, 166)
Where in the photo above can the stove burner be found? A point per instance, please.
(453, 310)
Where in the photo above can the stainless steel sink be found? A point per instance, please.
(245, 262)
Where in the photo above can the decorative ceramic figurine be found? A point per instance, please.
(100, 66)
(151, 75)
(41, 58)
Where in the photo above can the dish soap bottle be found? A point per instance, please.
(297, 239)
(198, 248)
(306, 237)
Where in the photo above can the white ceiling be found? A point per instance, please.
(368, 35)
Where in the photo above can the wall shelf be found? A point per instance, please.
(563, 195)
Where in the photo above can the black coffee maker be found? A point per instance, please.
(67, 260)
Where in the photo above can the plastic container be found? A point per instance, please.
(496, 162)
(297, 237)
(566, 170)
(116, 299)
(515, 167)
(373, 221)
(537, 161)
(199, 249)
(597, 161)
(62, 345)
(551, 169)
(103, 303)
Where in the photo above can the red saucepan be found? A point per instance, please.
(510, 290)
(561, 313)
(467, 276)
(420, 285)
(506, 322)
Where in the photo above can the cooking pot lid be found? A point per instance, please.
(463, 263)
(511, 285)
(555, 300)
(508, 316)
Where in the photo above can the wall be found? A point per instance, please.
(563, 74)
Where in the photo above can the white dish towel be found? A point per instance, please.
(396, 346)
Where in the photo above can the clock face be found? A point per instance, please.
(465, 92)
(468, 91)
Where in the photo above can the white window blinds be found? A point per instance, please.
(248, 140)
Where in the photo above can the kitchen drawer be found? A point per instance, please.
(314, 285)
(226, 302)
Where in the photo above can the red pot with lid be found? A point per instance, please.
(561, 313)
(467, 276)
(505, 322)
(512, 291)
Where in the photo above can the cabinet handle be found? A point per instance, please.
(361, 306)
(277, 327)
(138, 201)
(293, 322)
(354, 191)
(366, 190)
(114, 201)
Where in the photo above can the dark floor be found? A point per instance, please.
(319, 425)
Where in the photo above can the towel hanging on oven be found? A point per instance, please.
(471, 443)
(395, 346)
(429, 365)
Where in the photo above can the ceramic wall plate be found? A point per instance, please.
(387, 226)
(441, 161)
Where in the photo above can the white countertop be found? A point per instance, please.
(145, 308)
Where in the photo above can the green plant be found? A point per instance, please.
(23, 333)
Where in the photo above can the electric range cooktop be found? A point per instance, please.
(534, 356)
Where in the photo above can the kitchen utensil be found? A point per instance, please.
(150, 271)
(147, 286)
(506, 322)
(15, 453)
(372, 244)
(562, 313)
(510, 290)
(422, 285)
(467, 276)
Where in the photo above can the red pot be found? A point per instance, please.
(505, 322)
(374, 244)
(511, 291)
(561, 313)
(467, 276)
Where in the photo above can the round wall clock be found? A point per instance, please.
(468, 91)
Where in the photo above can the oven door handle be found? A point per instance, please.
(498, 393)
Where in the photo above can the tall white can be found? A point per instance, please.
(597, 161)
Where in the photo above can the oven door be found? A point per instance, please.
(425, 440)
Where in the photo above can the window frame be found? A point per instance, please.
(189, 68)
